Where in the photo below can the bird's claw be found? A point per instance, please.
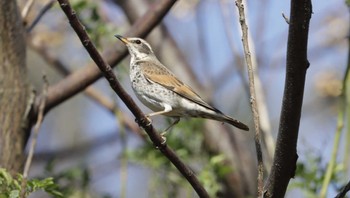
(162, 144)
(162, 135)
(148, 120)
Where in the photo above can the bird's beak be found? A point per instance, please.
(123, 39)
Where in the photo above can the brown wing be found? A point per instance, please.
(162, 76)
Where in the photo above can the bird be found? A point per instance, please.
(164, 93)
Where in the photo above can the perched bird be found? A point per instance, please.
(161, 91)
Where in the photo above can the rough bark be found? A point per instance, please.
(13, 86)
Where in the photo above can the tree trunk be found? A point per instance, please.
(13, 86)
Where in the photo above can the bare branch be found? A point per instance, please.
(248, 60)
(35, 136)
(337, 135)
(343, 112)
(285, 157)
(343, 191)
(264, 117)
(46, 8)
(111, 78)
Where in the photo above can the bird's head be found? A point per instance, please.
(138, 48)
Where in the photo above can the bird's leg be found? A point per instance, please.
(167, 109)
(177, 120)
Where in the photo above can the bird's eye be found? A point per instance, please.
(138, 42)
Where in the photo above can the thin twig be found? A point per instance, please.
(347, 102)
(264, 117)
(332, 162)
(343, 191)
(35, 136)
(115, 85)
(340, 125)
(46, 8)
(248, 59)
(26, 10)
(285, 18)
(342, 113)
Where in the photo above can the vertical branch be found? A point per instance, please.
(248, 60)
(347, 101)
(343, 112)
(36, 128)
(332, 162)
(35, 137)
(285, 157)
(264, 118)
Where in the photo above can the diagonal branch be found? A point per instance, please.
(42, 12)
(285, 157)
(343, 191)
(115, 85)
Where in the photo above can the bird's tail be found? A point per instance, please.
(234, 122)
(224, 118)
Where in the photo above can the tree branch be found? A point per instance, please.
(111, 78)
(344, 190)
(342, 111)
(285, 157)
(248, 60)
(35, 137)
(42, 12)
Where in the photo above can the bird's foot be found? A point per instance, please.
(148, 121)
(162, 135)
(162, 144)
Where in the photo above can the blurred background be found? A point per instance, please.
(95, 149)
